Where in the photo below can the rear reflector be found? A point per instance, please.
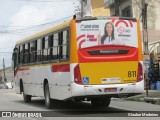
(140, 72)
(77, 75)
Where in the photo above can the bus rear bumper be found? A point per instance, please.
(113, 90)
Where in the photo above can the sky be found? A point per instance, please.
(20, 18)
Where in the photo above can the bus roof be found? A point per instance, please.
(44, 32)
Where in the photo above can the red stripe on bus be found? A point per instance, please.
(61, 68)
(20, 69)
(23, 69)
(15, 72)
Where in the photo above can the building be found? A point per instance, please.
(94, 8)
(9, 74)
(133, 8)
(1, 76)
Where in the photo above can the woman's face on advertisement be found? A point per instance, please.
(109, 29)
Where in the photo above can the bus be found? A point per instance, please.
(75, 61)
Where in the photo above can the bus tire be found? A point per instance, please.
(47, 96)
(100, 102)
(27, 98)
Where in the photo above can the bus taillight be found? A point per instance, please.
(140, 72)
(77, 75)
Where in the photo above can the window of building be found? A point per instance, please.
(84, 2)
(126, 12)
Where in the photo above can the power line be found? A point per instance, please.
(44, 0)
(7, 48)
(34, 26)
(6, 52)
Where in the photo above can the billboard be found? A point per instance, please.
(107, 32)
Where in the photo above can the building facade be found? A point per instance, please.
(133, 8)
(1, 76)
(94, 8)
(9, 75)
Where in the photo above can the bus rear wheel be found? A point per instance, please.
(27, 98)
(47, 96)
(100, 102)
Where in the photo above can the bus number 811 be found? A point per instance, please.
(131, 73)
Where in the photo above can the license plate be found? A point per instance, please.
(110, 89)
(111, 80)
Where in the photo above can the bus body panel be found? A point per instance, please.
(109, 72)
(100, 90)
(59, 82)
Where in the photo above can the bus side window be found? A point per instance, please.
(50, 46)
(39, 50)
(26, 53)
(33, 49)
(45, 48)
(21, 54)
(55, 47)
(60, 44)
(17, 62)
(65, 45)
(158, 49)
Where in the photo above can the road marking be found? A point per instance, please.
(13, 94)
(122, 108)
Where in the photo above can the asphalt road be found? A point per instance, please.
(9, 101)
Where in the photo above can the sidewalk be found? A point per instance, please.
(153, 97)
(2, 86)
(152, 93)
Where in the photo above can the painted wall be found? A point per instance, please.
(98, 8)
(9, 74)
(95, 8)
(153, 13)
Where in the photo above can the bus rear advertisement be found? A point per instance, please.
(91, 59)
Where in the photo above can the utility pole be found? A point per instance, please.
(5, 80)
(82, 8)
(116, 5)
(145, 40)
(145, 28)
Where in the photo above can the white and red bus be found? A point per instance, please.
(81, 60)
